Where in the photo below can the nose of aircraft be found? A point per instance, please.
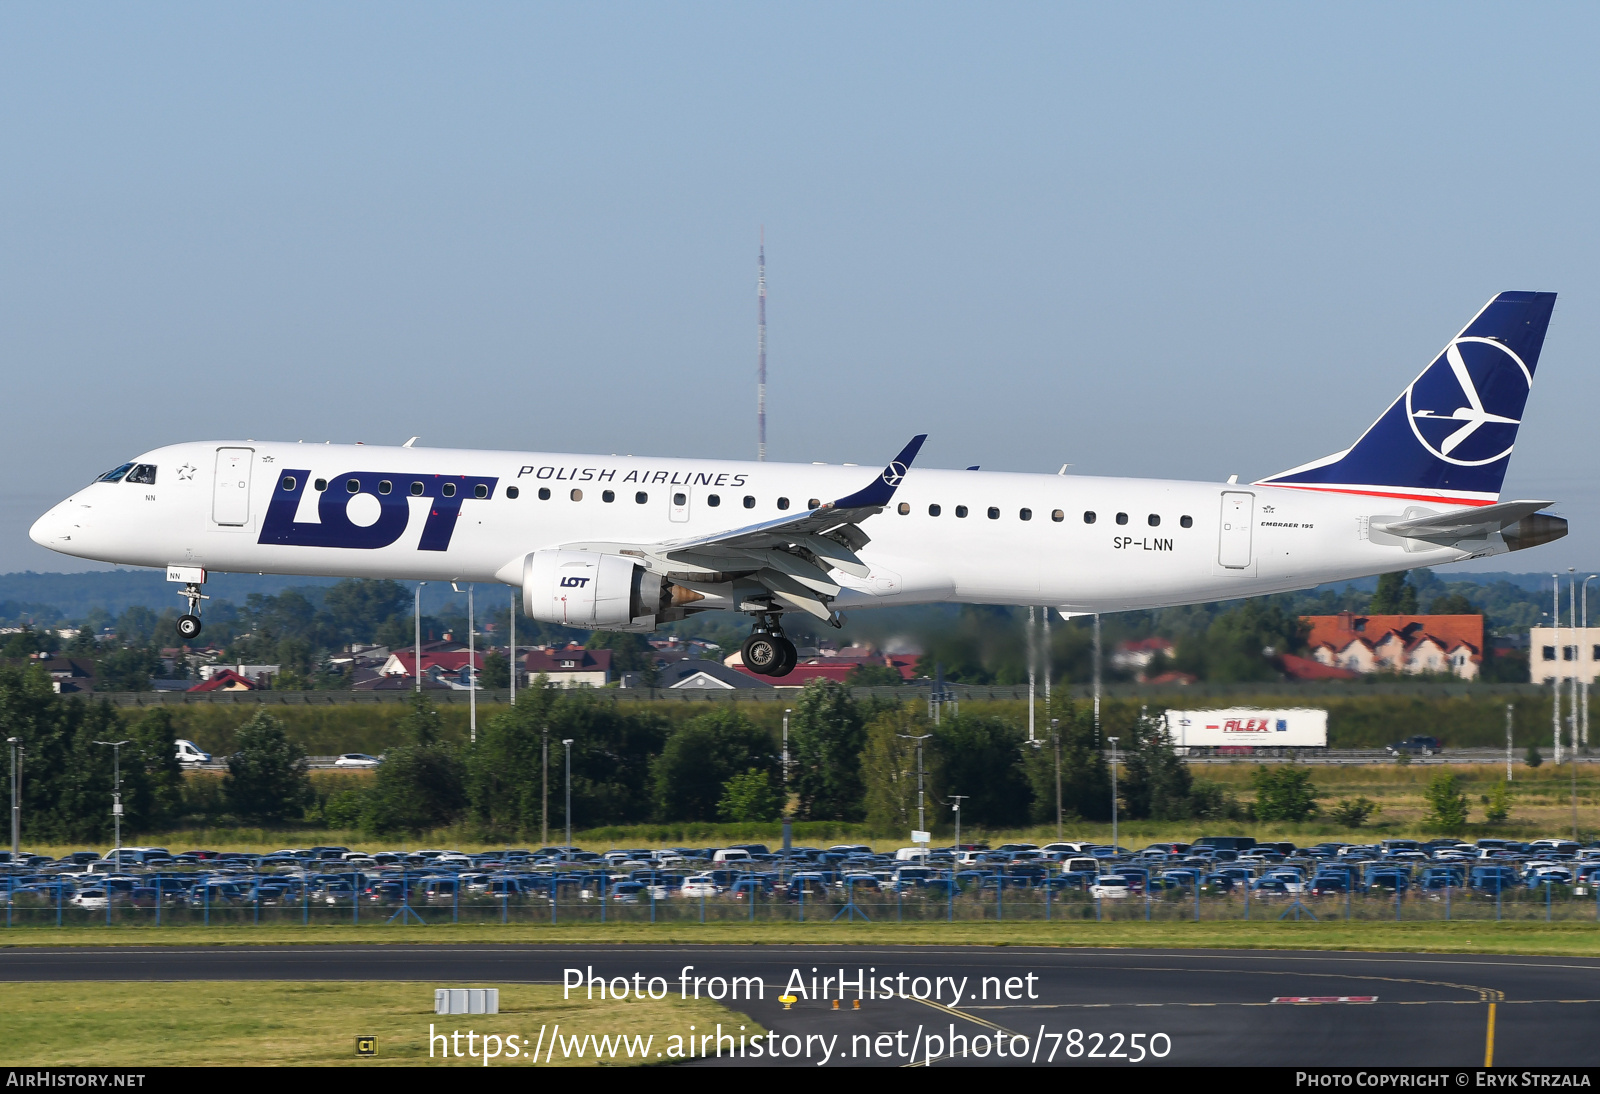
(55, 529)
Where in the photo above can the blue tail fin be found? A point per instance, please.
(1448, 437)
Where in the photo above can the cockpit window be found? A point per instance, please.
(115, 474)
(143, 473)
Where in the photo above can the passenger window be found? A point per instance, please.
(1186, 522)
(680, 499)
(749, 502)
(1025, 514)
(352, 486)
(1122, 518)
(1057, 515)
(641, 497)
(1153, 520)
(448, 489)
(116, 473)
(814, 504)
(577, 495)
(416, 488)
(994, 514)
(384, 486)
(904, 508)
(1088, 517)
(480, 491)
(544, 493)
(143, 474)
(961, 510)
(934, 510)
(713, 500)
(322, 484)
(288, 484)
(513, 493)
(608, 496)
(783, 503)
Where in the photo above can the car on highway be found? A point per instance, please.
(1417, 745)
(190, 753)
(357, 759)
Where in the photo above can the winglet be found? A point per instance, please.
(881, 490)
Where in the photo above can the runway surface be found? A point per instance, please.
(1213, 1006)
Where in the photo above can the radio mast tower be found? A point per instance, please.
(761, 347)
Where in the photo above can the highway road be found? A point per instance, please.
(1250, 1007)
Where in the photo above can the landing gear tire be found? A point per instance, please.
(188, 626)
(790, 656)
(763, 652)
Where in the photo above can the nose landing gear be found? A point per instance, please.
(768, 651)
(189, 623)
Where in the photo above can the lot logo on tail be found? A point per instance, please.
(1465, 409)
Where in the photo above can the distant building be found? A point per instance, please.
(1563, 653)
(1135, 656)
(259, 675)
(698, 674)
(570, 667)
(224, 680)
(69, 674)
(1405, 644)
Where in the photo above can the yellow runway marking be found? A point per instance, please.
(1488, 1045)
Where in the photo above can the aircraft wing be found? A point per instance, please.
(1464, 523)
(790, 556)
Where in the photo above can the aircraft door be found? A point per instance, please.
(679, 499)
(1238, 518)
(230, 487)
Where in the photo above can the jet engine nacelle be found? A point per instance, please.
(590, 590)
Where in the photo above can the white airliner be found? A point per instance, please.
(626, 543)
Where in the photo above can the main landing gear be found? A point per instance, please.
(189, 623)
(768, 651)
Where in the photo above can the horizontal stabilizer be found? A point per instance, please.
(1463, 524)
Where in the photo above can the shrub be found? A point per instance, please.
(1353, 814)
(1497, 806)
(749, 796)
(1447, 805)
(1284, 793)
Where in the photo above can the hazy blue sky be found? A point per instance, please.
(1171, 240)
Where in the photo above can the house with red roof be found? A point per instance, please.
(225, 680)
(1405, 644)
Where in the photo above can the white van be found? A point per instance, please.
(911, 854)
(189, 753)
(731, 854)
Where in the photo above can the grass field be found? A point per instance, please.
(229, 1023)
(1572, 938)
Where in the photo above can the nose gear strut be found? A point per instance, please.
(189, 624)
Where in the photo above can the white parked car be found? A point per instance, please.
(191, 753)
(357, 759)
(1110, 887)
(698, 885)
(89, 898)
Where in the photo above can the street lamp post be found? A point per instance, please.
(922, 825)
(786, 712)
(416, 666)
(1584, 633)
(1055, 739)
(1113, 741)
(472, 672)
(1555, 678)
(568, 745)
(956, 809)
(544, 782)
(116, 795)
(16, 796)
(512, 649)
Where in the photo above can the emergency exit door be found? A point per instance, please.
(230, 487)
(679, 512)
(1238, 517)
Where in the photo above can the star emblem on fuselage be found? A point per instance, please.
(187, 471)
